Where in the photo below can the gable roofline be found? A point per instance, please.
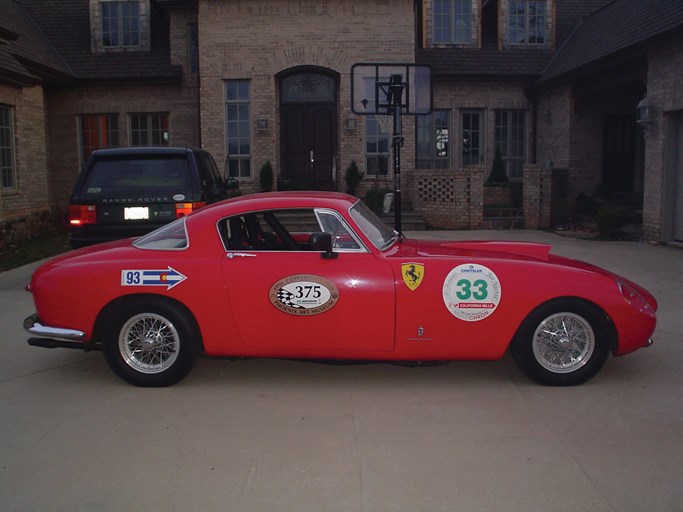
(27, 57)
(88, 67)
(620, 31)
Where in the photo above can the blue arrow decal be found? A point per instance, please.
(168, 277)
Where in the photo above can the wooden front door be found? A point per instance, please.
(309, 131)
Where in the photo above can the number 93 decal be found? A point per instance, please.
(471, 292)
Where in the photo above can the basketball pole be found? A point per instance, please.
(394, 98)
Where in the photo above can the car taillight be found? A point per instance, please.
(81, 214)
(182, 209)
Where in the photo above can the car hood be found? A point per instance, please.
(476, 248)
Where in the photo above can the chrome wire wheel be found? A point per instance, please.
(563, 342)
(149, 343)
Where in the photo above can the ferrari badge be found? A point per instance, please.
(412, 274)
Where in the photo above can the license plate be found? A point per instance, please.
(136, 213)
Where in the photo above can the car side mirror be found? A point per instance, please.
(322, 242)
(231, 184)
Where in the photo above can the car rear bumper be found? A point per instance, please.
(55, 337)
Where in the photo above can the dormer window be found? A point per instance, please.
(120, 24)
(454, 22)
(528, 23)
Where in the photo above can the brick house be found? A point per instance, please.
(552, 86)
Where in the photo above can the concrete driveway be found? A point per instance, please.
(266, 435)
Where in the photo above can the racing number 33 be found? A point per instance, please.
(471, 292)
(469, 289)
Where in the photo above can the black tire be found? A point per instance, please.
(563, 342)
(151, 343)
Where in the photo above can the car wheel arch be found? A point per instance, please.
(563, 341)
(613, 338)
(111, 310)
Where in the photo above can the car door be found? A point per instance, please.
(293, 301)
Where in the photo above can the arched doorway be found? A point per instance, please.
(308, 128)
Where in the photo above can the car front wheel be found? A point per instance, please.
(151, 344)
(564, 342)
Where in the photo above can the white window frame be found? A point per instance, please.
(238, 128)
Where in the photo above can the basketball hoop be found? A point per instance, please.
(388, 91)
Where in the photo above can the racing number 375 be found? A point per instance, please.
(307, 292)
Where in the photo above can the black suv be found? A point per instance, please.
(128, 192)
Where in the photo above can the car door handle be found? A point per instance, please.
(232, 255)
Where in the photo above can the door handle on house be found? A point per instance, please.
(312, 159)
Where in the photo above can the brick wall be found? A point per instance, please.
(448, 200)
(259, 39)
(665, 75)
(24, 210)
(537, 196)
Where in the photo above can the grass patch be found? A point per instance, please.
(34, 250)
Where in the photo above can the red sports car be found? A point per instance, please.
(320, 276)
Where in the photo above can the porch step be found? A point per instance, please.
(410, 219)
(503, 218)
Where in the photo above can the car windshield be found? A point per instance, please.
(143, 175)
(170, 237)
(381, 235)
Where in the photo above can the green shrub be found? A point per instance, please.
(586, 205)
(353, 177)
(611, 219)
(498, 174)
(266, 177)
(374, 198)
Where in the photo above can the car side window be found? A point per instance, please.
(343, 239)
(284, 230)
(264, 231)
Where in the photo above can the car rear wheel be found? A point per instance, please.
(150, 343)
(564, 342)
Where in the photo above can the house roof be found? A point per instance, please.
(64, 26)
(621, 27)
(26, 54)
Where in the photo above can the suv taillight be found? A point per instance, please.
(182, 209)
(81, 214)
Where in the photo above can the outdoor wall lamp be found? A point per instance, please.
(351, 123)
(262, 124)
(645, 116)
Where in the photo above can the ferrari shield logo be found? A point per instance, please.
(412, 274)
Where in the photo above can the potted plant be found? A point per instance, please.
(353, 178)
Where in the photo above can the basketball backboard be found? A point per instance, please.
(370, 87)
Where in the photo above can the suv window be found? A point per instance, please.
(138, 176)
(208, 171)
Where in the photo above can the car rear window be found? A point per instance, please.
(138, 176)
(172, 236)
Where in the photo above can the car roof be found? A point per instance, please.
(144, 151)
(279, 200)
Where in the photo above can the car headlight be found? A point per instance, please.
(635, 299)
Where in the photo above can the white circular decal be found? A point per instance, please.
(303, 295)
(178, 197)
(471, 292)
